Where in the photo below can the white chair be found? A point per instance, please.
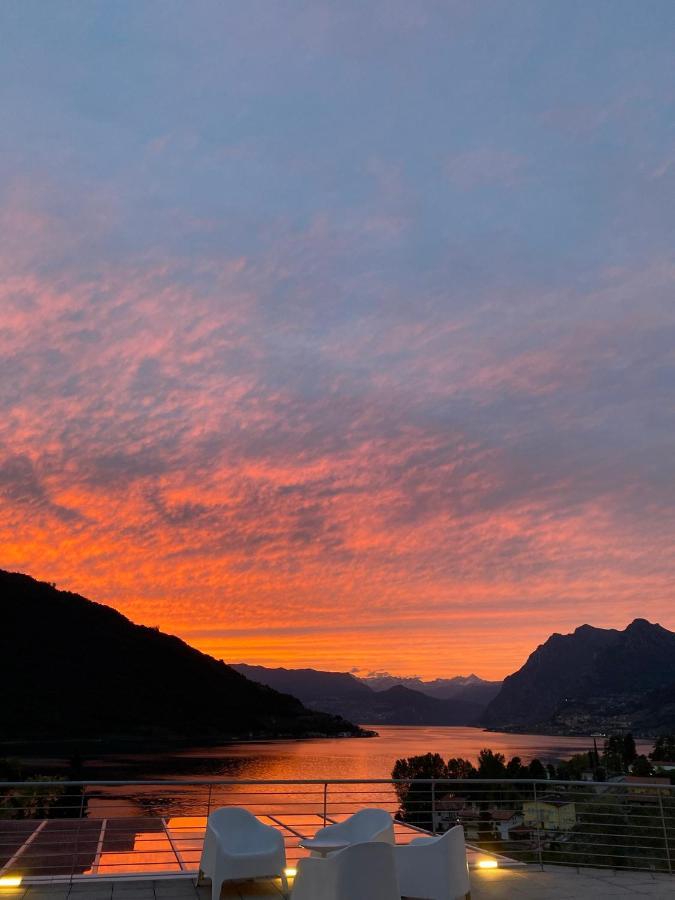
(434, 868)
(238, 846)
(359, 872)
(365, 825)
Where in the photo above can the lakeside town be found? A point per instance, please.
(508, 807)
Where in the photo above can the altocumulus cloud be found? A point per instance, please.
(322, 323)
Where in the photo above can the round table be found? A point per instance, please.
(323, 846)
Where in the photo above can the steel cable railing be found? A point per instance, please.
(69, 829)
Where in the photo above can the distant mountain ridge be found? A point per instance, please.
(470, 688)
(399, 705)
(592, 679)
(74, 669)
(306, 684)
(344, 694)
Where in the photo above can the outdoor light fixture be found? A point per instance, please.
(487, 864)
(290, 872)
(10, 881)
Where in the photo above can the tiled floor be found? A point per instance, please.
(147, 846)
(560, 883)
(555, 883)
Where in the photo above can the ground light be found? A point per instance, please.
(10, 881)
(487, 863)
(290, 872)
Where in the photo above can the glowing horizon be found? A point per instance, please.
(341, 337)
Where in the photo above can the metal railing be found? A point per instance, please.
(72, 829)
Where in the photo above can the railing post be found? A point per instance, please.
(536, 808)
(208, 802)
(76, 846)
(433, 806)
(665, 834)
(325, 803)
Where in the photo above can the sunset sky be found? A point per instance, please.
(341, 334)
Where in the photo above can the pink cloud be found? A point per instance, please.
(174, 443)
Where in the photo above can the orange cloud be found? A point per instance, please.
(422, 499)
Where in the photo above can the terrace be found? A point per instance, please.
(142, 840)
(557, 883)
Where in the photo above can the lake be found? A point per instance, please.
(339, 758)
(361, 758)
(159, 827)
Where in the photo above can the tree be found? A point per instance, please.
(642, 766)
(73, 803)
(619, 753)
(33, 800)
(664, 748)
(415, 794)
(572, 769)
(594, 756)
(427, 765)
(460, 768)
(536, 769)
(629, 750)
(515, 768)
(491, 764)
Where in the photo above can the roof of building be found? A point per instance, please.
(453, 804)
(645, 779)
(503, 815)
(552, 800)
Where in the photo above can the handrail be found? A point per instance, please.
(610, 824)
(322, 781)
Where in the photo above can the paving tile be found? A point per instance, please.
(568, 884)
(121, 888)
(229, 892)
(91, 892)
(47, 889)
(175, 889)
(185, 893)
(554, 883)
(138, 893)
(260, 889)
(147, 893)
(96, 887)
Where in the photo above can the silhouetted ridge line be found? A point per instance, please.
(343, 694)
(71, 668)
(595, 679)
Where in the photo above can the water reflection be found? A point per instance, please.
(311, 759)
(127, 846)
(134, 828)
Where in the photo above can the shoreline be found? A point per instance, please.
(65, 748)
(266, 757)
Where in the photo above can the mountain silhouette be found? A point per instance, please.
(343, 694)
(592, 679)
(74, 669)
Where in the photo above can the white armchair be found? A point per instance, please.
(359, 872)
(434, 868)
(365, 825)
(238, 846)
